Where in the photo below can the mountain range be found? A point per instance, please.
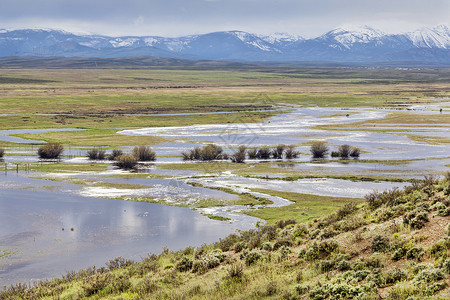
(360, 44)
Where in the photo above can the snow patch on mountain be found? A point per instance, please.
(437, 37)
(349, 35)
(281, 37)
(126, 42)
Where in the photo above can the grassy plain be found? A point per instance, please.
(105, 101)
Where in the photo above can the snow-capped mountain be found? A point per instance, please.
(344, 44)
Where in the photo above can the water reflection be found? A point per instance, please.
(56, 232)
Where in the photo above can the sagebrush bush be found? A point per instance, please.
(125, 161)
(319, 149)
(253, 256)
(185, 264)
(96, 153)
(50, 150)
(144, 153)
(235, 271)
(380, 243)
(416, 219)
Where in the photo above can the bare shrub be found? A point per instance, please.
(206, 153)
(290, 152)
(239, 156)
(334, 154)
(211, 152)
(344, 151)
(252, 154)
(96, 153)
(144, 153)
(355, 152)
(125, 161)
(319, 149)
(50, 150)
(264, 153)
(277, 153)
(115, 153)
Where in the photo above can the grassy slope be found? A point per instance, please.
(395, 246)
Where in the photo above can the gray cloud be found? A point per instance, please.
(178, 17)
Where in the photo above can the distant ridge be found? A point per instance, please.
(359, 44)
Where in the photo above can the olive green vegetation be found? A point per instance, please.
(218, 218)
(64, 167)
(395, 245)
(305, 207)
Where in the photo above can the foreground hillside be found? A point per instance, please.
(395, 246)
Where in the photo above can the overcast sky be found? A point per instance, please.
(309, 18)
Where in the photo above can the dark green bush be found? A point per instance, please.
(346, 210)
(394, 276)
(185, 264)
(380, 243)
(429, 275)
(96, 153)
(319, 149)
(361, 274)
(282, 242)
(398, 254)
(125, 161)
(416, 219)
(441, 248)
(343, 265)
(144, 153)
(253, 256)
(227, 243)
(415, 253)
(50, 150)
(2, 152)
(446, 266)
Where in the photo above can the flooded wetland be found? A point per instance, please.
(75, 212)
